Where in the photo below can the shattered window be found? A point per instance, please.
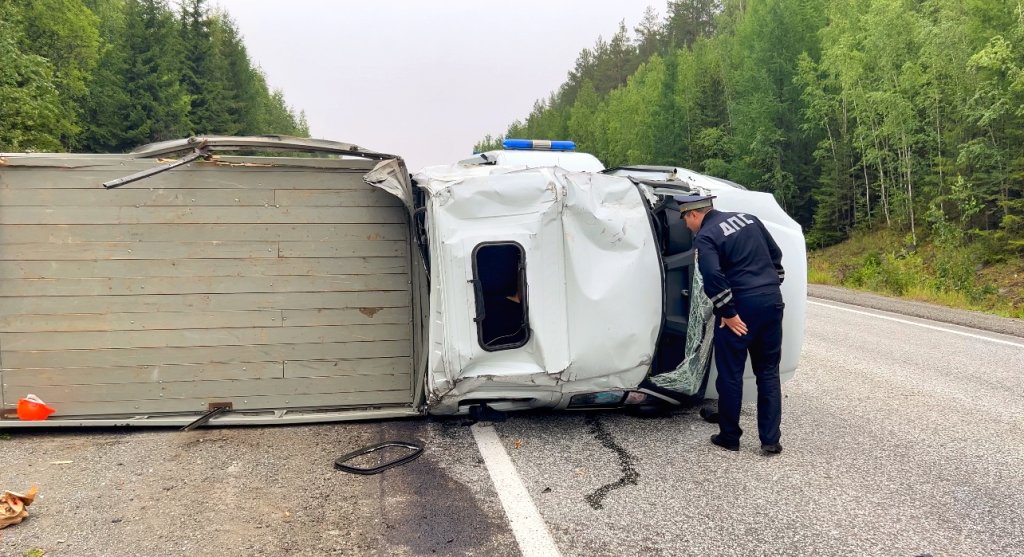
(499, 282)
(688, 376)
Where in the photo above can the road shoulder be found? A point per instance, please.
(973, 319)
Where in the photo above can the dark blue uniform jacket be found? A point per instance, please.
(736, 256)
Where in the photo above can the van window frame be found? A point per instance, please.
(523, 297)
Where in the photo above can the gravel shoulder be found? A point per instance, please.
(972, 319)
(239, 491)
(250, 491)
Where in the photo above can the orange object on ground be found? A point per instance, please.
(32, 408)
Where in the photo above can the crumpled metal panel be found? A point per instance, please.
(391, 176)
(594, 289)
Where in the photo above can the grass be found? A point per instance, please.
(820, 274)
(885, 263)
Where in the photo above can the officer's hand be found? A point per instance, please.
(735, 325)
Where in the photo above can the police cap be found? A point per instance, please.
(691, 202)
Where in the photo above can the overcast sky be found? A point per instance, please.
(421, 79)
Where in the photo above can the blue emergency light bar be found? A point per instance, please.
(539, 144)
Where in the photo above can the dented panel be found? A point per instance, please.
(593, 284)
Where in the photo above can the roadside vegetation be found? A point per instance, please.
(886, 263)
(892, 130)
(110, 75)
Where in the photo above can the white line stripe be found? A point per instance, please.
(527, 525)
(954, 331)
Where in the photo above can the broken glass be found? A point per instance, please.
(688, 377)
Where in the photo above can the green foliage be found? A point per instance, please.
(488, 143)
(936, 273)
(158, 105)
(30, 115)
(688, 20)
(205, 72)
(64, 32)
(858, 115)
(631, 116)
(886, 273)
(109, 75)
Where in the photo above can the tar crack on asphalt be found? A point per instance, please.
(627, 463)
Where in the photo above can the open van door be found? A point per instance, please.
(279, 287)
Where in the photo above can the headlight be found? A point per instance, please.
(603, 398)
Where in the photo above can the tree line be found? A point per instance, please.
(906, 115)
(110, 75)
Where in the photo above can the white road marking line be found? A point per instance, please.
(527, 525)
(954, 331)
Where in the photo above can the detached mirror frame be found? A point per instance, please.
(500, 291)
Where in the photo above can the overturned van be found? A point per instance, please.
(312, 281)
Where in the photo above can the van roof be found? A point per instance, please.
(568, 160)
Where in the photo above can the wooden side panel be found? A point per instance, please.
(198, 215)
(265, 286)
(65, 233)
(76, 269)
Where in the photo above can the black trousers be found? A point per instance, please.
(762, 312)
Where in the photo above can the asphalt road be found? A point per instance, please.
(902, 436)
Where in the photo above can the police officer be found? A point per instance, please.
(742, 270)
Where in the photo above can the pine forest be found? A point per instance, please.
(904, 117)
(892, 130)
(111, 75)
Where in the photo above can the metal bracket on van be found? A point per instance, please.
(201, 152)
(215, 409)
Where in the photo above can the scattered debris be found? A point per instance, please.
(417, 450)
(12, 506)
(219, 162)
(518, 443)
(32, 408)
(63, 462)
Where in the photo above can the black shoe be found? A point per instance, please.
(710, 416)
(716, 440)
(774, 448)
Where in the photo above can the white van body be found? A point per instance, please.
(592, 285)
(730, 196)
(279, 289)
(567, 160)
